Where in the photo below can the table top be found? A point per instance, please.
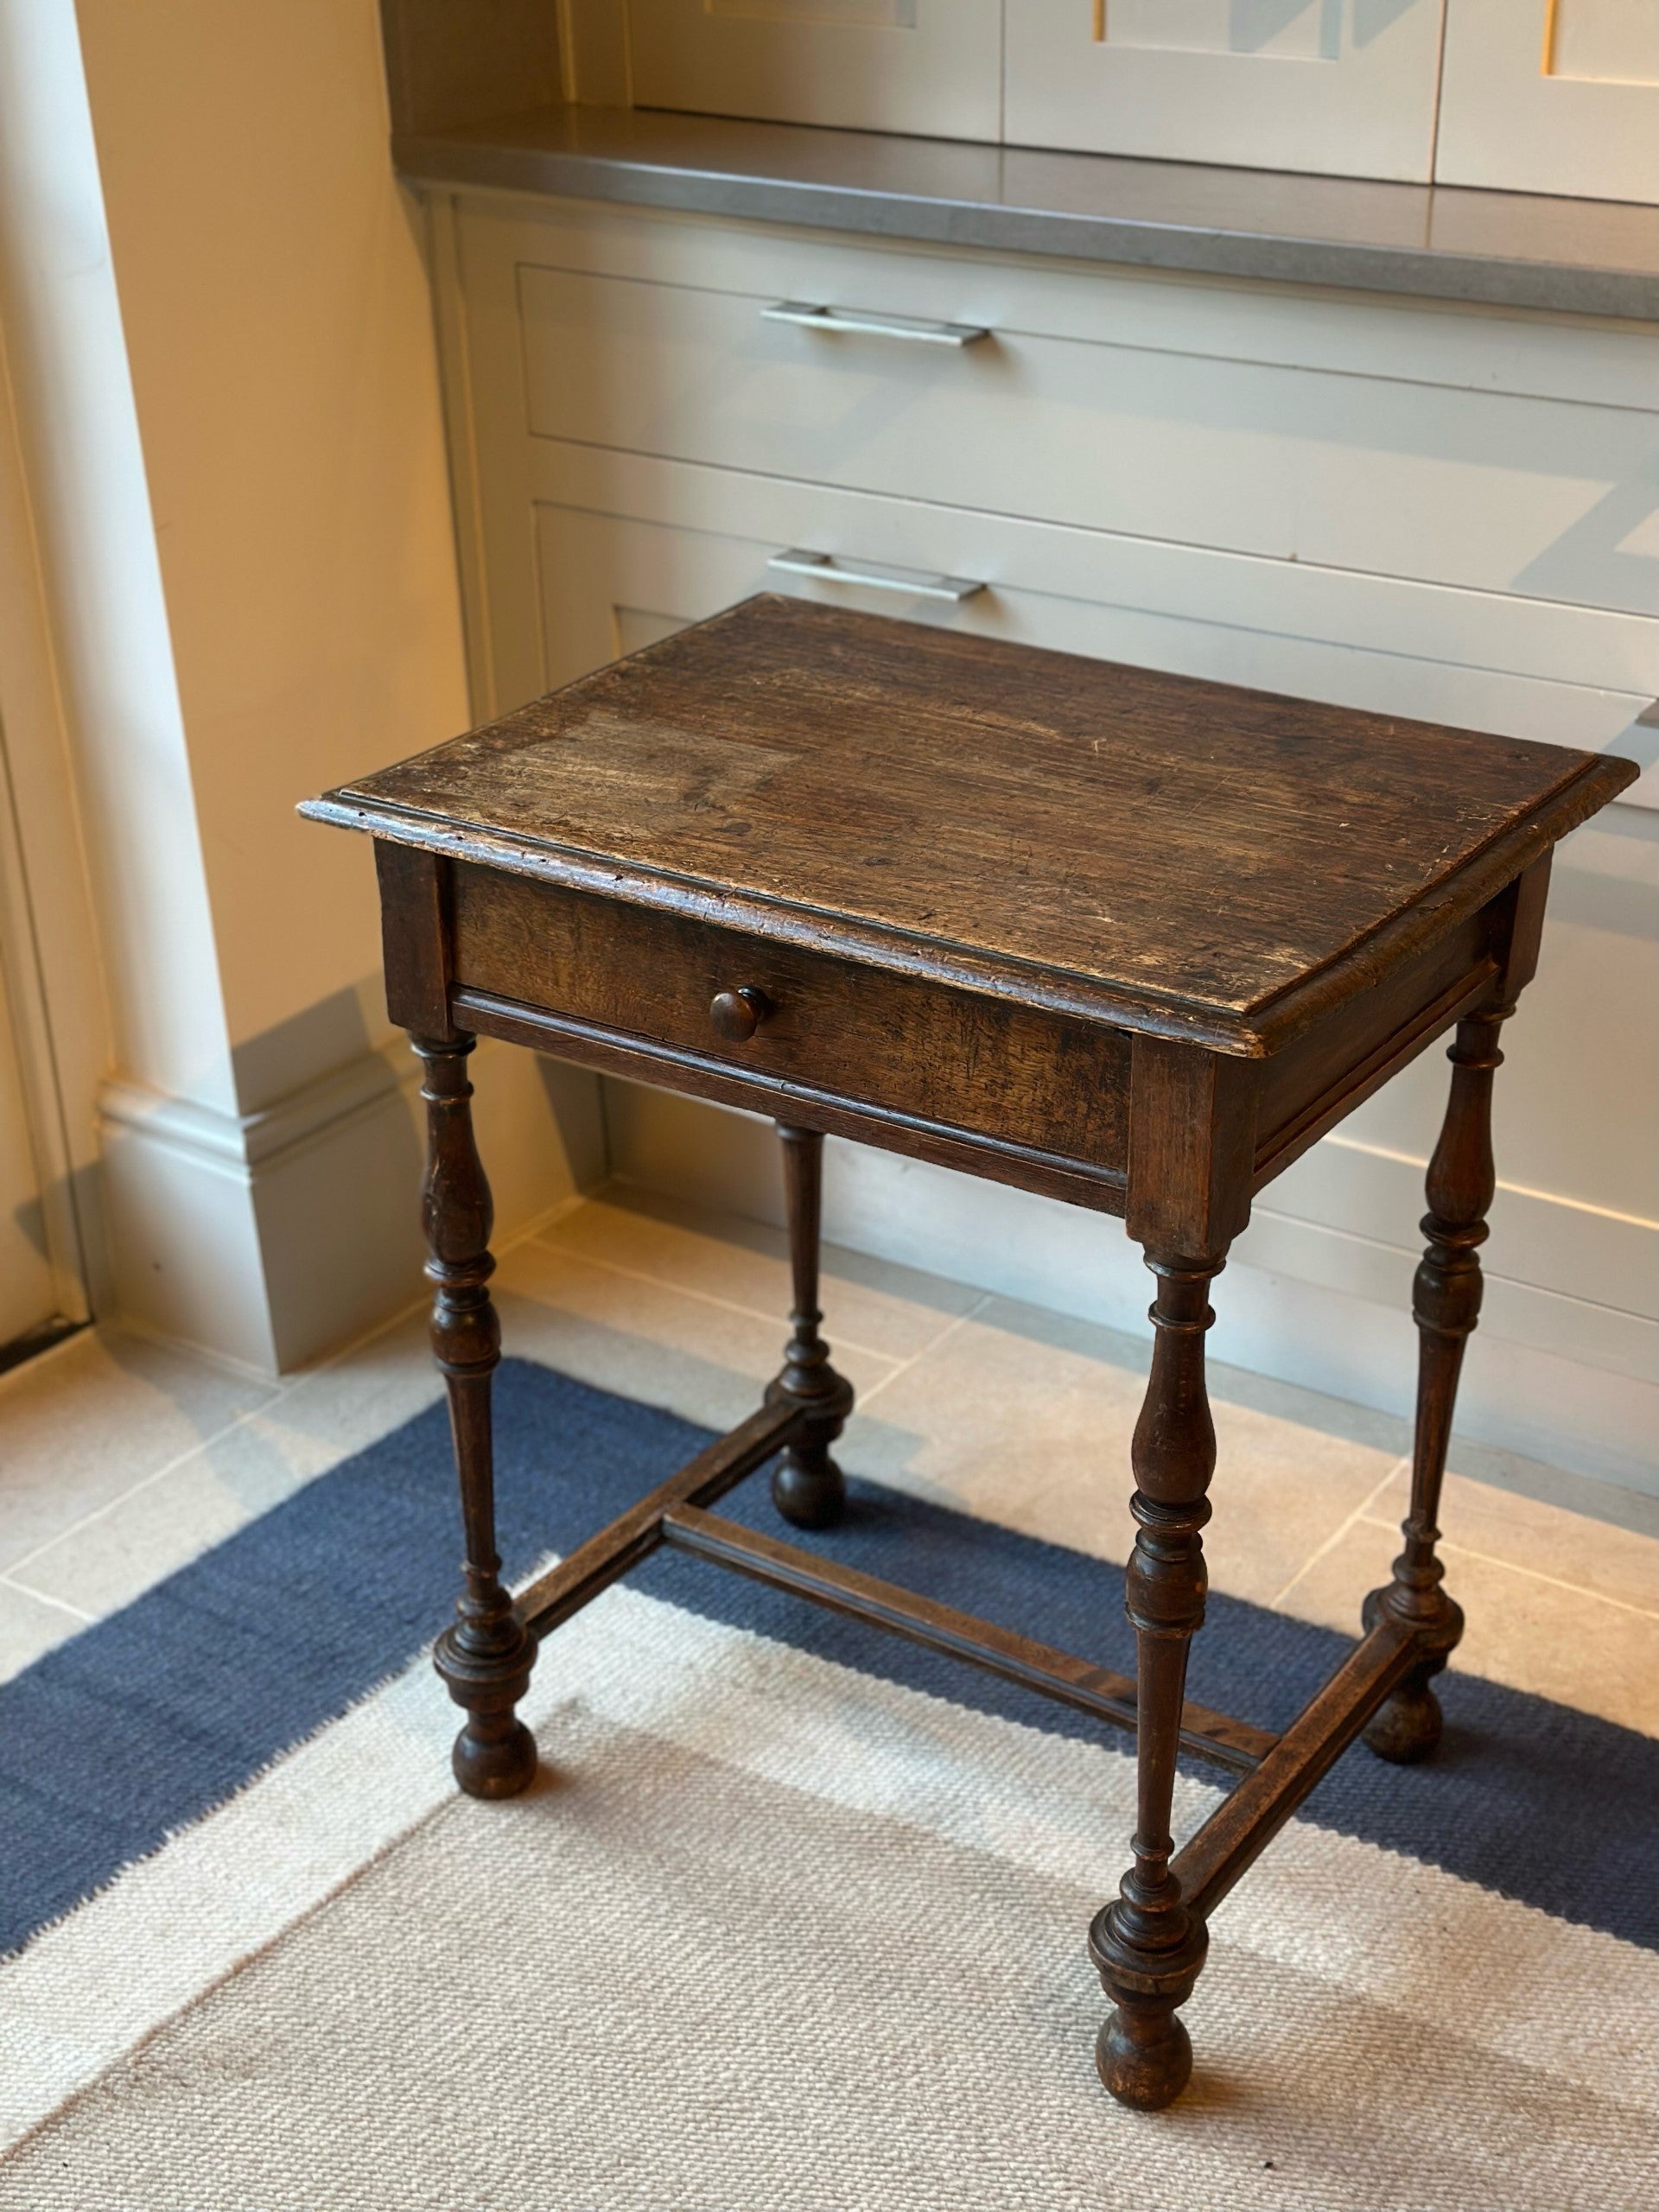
(1171, 854)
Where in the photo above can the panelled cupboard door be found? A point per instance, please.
(929, 67)
(1552, 96)
(1344, 87)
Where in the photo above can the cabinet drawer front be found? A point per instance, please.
(628, 550)
(1491, 490)
(950, 1057)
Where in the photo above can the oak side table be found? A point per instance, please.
(1129, 939)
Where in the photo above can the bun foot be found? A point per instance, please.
(1144, 2056)
(485, 1666)
(494, 1756)
(1406, 1727)
(807, 1490)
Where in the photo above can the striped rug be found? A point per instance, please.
(795, 1917)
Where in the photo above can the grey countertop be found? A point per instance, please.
(1499, 249)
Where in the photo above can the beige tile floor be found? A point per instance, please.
(120, 1460)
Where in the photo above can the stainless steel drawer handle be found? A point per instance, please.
(918, 583)
(917, 328)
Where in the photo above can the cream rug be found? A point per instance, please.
(779, 1936)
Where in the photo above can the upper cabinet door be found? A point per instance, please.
(1343, 87)
(931, 67)
(1552, 96)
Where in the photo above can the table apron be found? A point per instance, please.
(614, 1051)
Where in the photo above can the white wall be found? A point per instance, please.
(229, 392)
(86, 465)
(146, 997)
(280, 336)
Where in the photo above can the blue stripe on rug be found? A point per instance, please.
(145, 1721)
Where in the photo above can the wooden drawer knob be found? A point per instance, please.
(738, 1015)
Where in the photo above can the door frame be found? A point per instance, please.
(48, 942)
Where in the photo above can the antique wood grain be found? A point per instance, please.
(1226, 860)
(1325, 1072)
(485, 1657)
(415, 936)
(1077, 1683)
(806, 1485)
(954, 1058)
(813, 1105)
(1525, 900)
(1148, 1945)
(1128, 940)
(1244, 1823)
(1192, 1117)
(607, 1555)
(1445, 1304)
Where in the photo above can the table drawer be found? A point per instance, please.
(954, 1058)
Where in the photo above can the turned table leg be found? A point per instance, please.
(1148, 1946)
(485, 1656)
(807, 1487)
(1445, 1304)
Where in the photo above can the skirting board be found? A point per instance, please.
(269, 1240)
(1549, 1377)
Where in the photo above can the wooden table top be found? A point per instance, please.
(1026, 822)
